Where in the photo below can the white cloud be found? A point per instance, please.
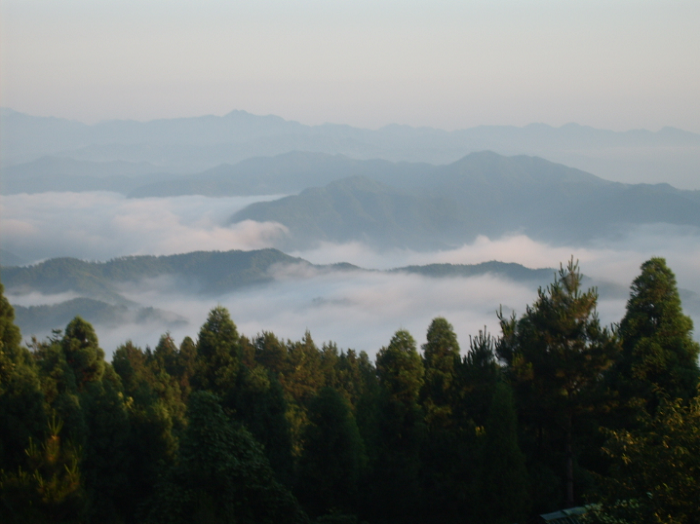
(360, 310)
(102, 225)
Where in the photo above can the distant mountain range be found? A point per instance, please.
(99, 284)
(428, 207)
(191, 145)
(396, 204)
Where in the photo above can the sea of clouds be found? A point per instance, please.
(359, 310)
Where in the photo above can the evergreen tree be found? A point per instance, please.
(396, 481)
(21, 398)
(478, 375)
(82, 352)
(221, 475)
(655, 473)
(441, 358)
(153, 424)
(218, 353)
(261, 407)
(333, 456)
(555, 356)
(503, 471)
(48, 487)
(659, 355)
(270, 352)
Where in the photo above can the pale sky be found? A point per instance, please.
(615, 64)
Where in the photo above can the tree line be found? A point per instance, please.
(556, 411)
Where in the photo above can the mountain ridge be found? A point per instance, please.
(194, 144)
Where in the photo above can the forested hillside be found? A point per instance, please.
(555, 411)
(98, 288)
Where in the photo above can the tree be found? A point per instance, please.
(10, 336)
(21, 399)
(400, 369)
(478, 375)
(655, 473)
(555, 356)
(333, 456)
(502, 463)
(48, 488)
(218, 353)
(221, 475)
(400, 372)
(658, 352)
(441, 358)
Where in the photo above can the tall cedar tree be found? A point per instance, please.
(400, 371)
(659, 354)
(333, 456)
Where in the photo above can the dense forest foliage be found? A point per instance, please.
(556, 411)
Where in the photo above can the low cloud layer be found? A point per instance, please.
(359, 310)
(103, 225)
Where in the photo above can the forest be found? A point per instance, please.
(554, 411)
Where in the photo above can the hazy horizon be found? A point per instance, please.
(375, 128)
(450, 65)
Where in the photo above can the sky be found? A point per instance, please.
(615, 64)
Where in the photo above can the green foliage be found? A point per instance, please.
(397, 468)
(659, 353)
(221, 475)
(555, 356)
(21, 410)
(48, 487)
(82, 352)
(260, 405)
(478, 375)
(218, 353)
(655, 476)
(213, 431)
(10, 336)
(333, 456)
(400, 369)
(441, 358)
(502, 464)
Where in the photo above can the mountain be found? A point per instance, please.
(511, 271)
(285, 173)
(67, 174)
(99, 284)
(44, 318)
(199, 143)
(209, 272)
(358, 208)
(483, 193)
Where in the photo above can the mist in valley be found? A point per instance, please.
(355, 309)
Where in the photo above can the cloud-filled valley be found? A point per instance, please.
(355, 309)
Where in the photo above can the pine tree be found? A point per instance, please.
(555, 356)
